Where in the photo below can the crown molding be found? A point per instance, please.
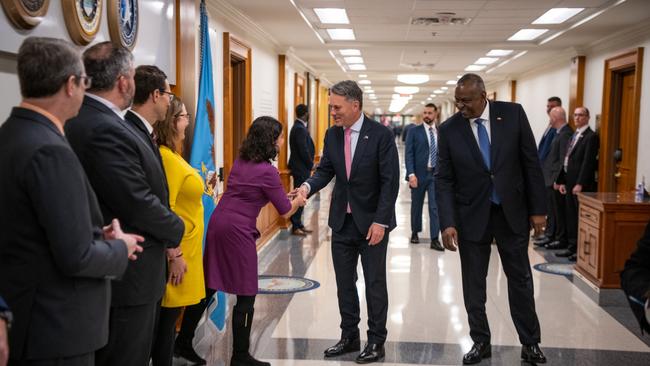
(242, 21)
(623, 39)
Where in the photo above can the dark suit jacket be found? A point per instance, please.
(54, 264)
(545, 145)
(301, 144)
(583, 162)
(553, 163)
(635, 278)
(374, 177)
(417, 152)
(130, 183)
(464, 183)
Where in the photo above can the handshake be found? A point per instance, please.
(299, 195)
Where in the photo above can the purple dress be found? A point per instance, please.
(230, 258)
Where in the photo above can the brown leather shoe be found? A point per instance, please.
(298, 232)
(306, 230)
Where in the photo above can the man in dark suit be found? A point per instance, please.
(126, 172)
(421, 158)
(635, 280)
(578, 174)
(489, 185)
(56, 261)
(301, 161)
(362, 155)
(551, 168)
(543, 150)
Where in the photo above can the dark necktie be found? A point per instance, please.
(433, 150)
(484, 145)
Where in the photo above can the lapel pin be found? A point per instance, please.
(365, 137)
(498, 118)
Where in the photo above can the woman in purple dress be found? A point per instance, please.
(230, 258)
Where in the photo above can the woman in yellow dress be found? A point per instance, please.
(187, 286)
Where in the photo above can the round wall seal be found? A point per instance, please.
(82, 18)
(123, 21)
(25, 14)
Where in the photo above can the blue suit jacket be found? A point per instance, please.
(417, 152)
(545, 144)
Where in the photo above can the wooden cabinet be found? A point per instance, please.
(609, 226)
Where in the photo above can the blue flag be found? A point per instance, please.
(202, 155)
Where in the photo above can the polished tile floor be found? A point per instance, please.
(427, 323)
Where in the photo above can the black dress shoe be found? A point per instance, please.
(345, 345)
(544, 240)
(414, 238)
(298, 232)
(478, 352)
(556, 245)
(573, 258)
(566, 253)
(532, 354)
(372, 353)
(435, 245)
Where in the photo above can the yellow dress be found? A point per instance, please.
(185, 193)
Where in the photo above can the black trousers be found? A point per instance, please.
(559, 208)
(571, 201)
(162, 350)
(130, 336)
(347, 246)
(475, 259)
(551, 219)
(87, 359)
(296, 218)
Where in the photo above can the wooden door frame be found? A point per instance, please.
(232, 47)
(303, 83)
(618, 64)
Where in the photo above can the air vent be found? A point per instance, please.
(418, 65)
(444, 18)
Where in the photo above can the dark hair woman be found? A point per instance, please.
(230, 258)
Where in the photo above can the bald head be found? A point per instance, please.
(558, 117)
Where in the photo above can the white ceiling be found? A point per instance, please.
(390, 45)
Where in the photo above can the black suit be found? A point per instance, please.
(371, 192)
(551, 168)
(581, 169)
(130, 183)
(463, 191)
(301, 161)
(55, 267)
(635, 278)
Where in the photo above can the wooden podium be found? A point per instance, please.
(609, 226)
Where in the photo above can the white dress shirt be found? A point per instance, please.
(147, 125)
(486, 122)
(108, 104)
(354, 136)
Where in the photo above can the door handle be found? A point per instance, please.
(617, 175)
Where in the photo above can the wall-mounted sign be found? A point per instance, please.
(82, 18)
(123, 19)
(25, 14)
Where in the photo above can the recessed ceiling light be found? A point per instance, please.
(367, 86)
(474, 67)
(485, 60)
(429, 98)
(350, 52)
(357, 67)
(365, 82)
(413, 78)
(363, 75)
(372, 95)
(332, 15)
(353, 59)
(557, 15)
(438, 91)
(499, 53)
(459, 76)
(341, 34)
(406, 89)
(451, 82)
(527, 34)
(444, 88)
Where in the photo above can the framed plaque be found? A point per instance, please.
(25, 14)
(82, 18)
(123, 21)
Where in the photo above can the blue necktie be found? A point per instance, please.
(484, 145)
(433, 150)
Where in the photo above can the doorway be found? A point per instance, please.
(619, 132)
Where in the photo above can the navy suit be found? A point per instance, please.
(544, 146)
(543, 150)
(371, 192)
(464, 187)
(301, 161)
(417, 162)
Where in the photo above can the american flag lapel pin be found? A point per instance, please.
(499, 118)
(365, 137)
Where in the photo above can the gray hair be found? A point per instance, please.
(45, 65)
(472, 79)
(105, 62)
(350, 90)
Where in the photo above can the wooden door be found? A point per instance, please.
(627, 135)
(238, 77)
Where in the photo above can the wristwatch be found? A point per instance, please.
(7, 316)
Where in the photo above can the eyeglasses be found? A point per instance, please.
(186, 115)
(170, 94)
(85, 80)
(579, 115)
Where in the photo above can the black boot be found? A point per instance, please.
(241, 333)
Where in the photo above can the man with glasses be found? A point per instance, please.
(124, 168)
(578, 174)
(489, 185)
(56, 261)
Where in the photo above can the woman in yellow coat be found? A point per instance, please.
(185, 193)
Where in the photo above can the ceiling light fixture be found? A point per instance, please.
(357, 67)
(527, 34)
(364, 82)
(341, 34)
(332, 15)
(438, 91)
(474, 67)
(363, 75)
(412, 78)
(499, 53)
(406, 89)
(557, 15)
(353, 59)
(444, 88)
(451, 82)
(350, 52)
(485, 60)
